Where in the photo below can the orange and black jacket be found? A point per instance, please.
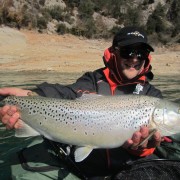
(97, 82)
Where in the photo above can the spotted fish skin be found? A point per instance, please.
(98, 122)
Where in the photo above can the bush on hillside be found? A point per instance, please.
(62, 29)
(85, 28)
(42, 2)
(114, 6)
(133, 17)
(26, 20)
(41, 22)
(56, 12)
(72, 3)
(100, 5)
(155, 21)
(86, 9)
(174, 16)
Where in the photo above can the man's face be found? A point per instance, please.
(131, 67)
(131, 61)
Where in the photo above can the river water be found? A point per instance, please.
(170, 87)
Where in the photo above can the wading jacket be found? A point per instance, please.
(101, 161)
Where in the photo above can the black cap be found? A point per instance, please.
(129, 36)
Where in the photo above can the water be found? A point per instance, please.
(169, 86)
(30, 79)
(8, 143)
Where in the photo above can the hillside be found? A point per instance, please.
(95, 18)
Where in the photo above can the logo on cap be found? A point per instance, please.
(135, 33)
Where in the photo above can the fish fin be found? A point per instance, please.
(151, 133)
(25, 130)
(81, 153)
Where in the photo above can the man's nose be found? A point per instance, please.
(134, 59)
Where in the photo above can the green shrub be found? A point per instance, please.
(155, 21)
(42, 2)
(85, 28)
(115, 29)
(78, 30)
(67, 18)
(46, 14)
(41, 23)
(178, 41)
(56, 12)
(72, 3)
(176, 30)
(133, 17)
(174, 16)
(86, 9)
(62, 29)
(26, 20)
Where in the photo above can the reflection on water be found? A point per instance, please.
(168, 85)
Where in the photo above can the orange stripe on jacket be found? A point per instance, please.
(142, 153)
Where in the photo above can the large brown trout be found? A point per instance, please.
(96, 121)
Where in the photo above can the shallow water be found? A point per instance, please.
(170, 87)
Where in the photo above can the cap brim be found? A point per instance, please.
(149, 47)
(126, 43)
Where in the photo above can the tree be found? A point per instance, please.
(41, 23)
(61, 29)
(174, 16)
(86, 9)
(155, 21)
(56, 12)
(133, 17)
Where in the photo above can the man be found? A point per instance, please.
(127, 71)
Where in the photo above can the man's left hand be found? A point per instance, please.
(140, 136)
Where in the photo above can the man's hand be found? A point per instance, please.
(13, 91)
(9, 115)
(140, 136)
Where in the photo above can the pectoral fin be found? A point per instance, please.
(81, 153)
(147, 138)
(25, 130)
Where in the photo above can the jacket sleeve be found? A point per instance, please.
(86, 83)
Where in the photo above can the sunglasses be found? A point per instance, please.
(127, 53)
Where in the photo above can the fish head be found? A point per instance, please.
(166, 116)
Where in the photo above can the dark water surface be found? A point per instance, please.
(170, 87)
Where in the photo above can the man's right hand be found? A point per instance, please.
(9, 115)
